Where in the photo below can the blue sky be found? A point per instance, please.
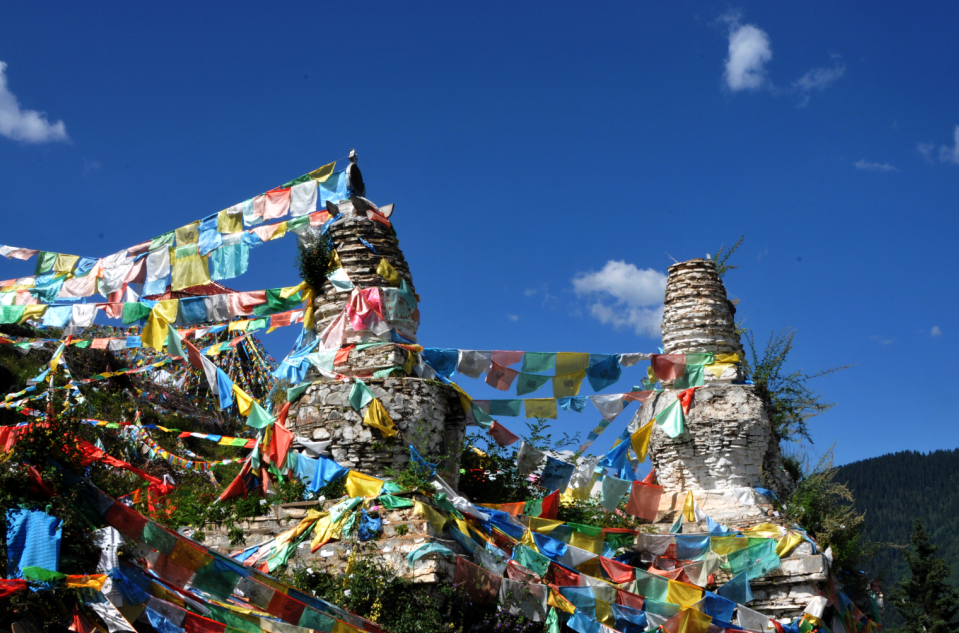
(529, 146)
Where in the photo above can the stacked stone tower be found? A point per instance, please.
(730, 447)
(427, 414)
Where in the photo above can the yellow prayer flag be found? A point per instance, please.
(158, 324)
(465, 400)
(543, 526)
(690, 621)
(229, 222)
(592, 544)
(567, 385)
(682, 594)
(188, 234)
(238, 326)
(360, 485)
(726, 358)
(689, 507)
(717, 369)
(322, 533)
(308, 311)
(640, 441)
(189, 271)
(377, 417)
(528, 541)
(723, 545)
(388, 273)
(591, 567)
(32, 312)
(289, 291)
(583, 492)
(604, 613)
(339, 626)
(763, 530)
(243, 400)
(569, 362)
(87, 582)
(789, 541)
(322, 173)
(436, 519)
(188, 556)
(557, 600)
(65, 263)
(541, 408)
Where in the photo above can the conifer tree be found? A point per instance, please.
(925, 601)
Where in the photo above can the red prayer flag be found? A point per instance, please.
(480, 585)
(501, 434)
(193, 355)
(285, 608)
(668, 366)
(194, 623)
(643, 502)
(685, 398)
(631, 600)
(550, 507)
(128, 521)
(559, 575)
(617, 572)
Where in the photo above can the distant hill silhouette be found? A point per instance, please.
(895, 489)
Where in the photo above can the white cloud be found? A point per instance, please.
(881, 340)
(926, 149)
(818, 79)
(623, 295)
(951, 154)
(749, 49)
(947, 154)
(867, 166)
(935, 331)
(28, 126)
(513, 317)
(529, 292)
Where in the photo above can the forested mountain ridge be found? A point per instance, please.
(894, 490)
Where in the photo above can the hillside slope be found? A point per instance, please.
(895, 489)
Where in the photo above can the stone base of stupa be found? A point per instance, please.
(428, 414)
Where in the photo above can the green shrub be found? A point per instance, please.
(314, 259)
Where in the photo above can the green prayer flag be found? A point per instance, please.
(165, 240)
(275, 303)
(538, 362)
(509, 408)
(258, 324)
(693, 376)
(259, 418)
(158, 538)
(39, 574)
(174, 343)
(133, 312)
(81, 344)
(482, 418)
(360, 395)
(313, 619)
(528, 383)
(383, 373)
(11, 314)
(531, 560)
(45, 262)
(392, 503)
(295, 392)
(296, 181)
(650, 586)
(216, 578)
(672, 420)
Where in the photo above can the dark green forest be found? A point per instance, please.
(895, 489)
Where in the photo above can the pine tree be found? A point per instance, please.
(925, 601)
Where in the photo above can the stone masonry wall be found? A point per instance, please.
(427, 413)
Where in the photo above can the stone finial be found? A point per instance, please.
(697, 316)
